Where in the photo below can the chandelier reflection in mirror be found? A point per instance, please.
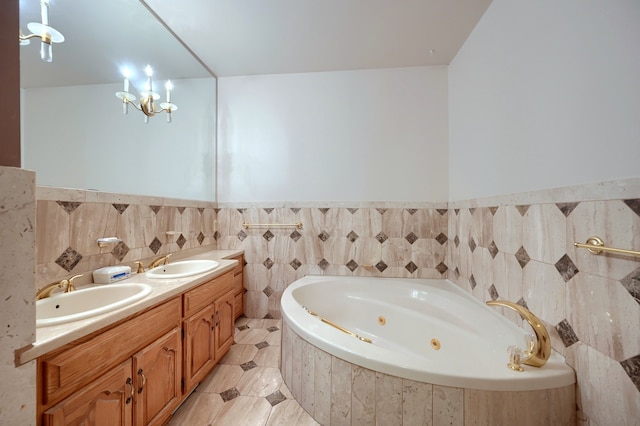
(42, 30)
(148, 97)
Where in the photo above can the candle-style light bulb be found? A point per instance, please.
(169, 87)
(125, 73)
(149, 73)
(44, 11)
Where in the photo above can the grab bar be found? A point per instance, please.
(333, 324)
(246, 225)
(595, 245)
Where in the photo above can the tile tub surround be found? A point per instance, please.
(515, 249)
(69, 221)
(366, 239)
(336, 392)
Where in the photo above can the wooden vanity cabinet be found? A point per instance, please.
(208, 327)
(238, 286)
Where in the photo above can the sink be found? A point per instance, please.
(87, 302)
(183, 268)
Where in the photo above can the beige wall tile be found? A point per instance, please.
(417, 408)
(340, 392)
(448, 406)
(388, 399)
(363, 396)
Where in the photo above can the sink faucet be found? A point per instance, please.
(539, 352)
(66, 284)
(159, 261)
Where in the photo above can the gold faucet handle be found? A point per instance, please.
(166, 259)
(70, 286)
(140, 267)
(515, 358)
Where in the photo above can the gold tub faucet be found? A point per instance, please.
(539, 351)
(66, 284)
(159, 261)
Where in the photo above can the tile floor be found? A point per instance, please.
(246, 388)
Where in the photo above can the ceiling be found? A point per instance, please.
(232, 38)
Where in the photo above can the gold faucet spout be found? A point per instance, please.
(542, 350)
(163, 260)
(66, 285)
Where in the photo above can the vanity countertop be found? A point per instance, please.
(55, 336)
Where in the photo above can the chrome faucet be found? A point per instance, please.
(66, 284)
(539, 350)
(159, 261)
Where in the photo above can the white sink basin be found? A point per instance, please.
(87, 302)
(183, 268)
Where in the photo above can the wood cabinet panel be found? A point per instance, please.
(157, 372)
(199, 355)
(206, 293)
(72, 367)
(224, 307)
(107, 401)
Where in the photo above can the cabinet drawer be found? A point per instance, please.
(238, 283)
(203, 295)
(238, 305)
(240, 266)
(78, 363)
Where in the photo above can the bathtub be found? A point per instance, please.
(417, 331)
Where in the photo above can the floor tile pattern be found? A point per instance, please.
(246, 388)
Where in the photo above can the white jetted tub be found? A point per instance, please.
(415, 330)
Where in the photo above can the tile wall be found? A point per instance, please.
(385, 240)
(68, 223)
(523, 251)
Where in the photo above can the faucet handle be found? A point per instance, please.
(166, 259)
(70, 286)
(515, 358)
(140, 267)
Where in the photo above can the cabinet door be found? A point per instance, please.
(238, 291)
(157, 371)
(224, 323)
(107, 401)
(198, 345)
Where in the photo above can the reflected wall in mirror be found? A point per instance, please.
(74, 134)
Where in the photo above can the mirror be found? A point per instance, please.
(74, 132)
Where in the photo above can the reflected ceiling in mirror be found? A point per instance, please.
(101, 38)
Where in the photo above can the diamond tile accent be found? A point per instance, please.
(68, 206)
(441, 238)
(522, 209)
(275, 398)
(180, 209)
(566, 268)
(456, 241)
(493, 249)
(120, 250)
(381, 266)
(268, 235)
(323, 236)
(522, 302)
(268, 263)
(352, 210)
(155, 245)
(217, 235)
(69, 259)
(268, 210)
(323, 210)
(566, 333)
(268, 316)
(241, 211)
(411, 267)
(456, 211)
(442, 211)
(634, 205)
(472, 281)
(472, 210)
(120, 208)
(155, 209)
(457, 272)
(323, 264)
(522, 257)
(243, 327)
(631, 366)
(181, 241)
(632, 283)
(381, 237)
(295, 264)
(217, 210)
(352, 265)
(248, 365)
(382, 211)
(493, 292)
(472, 244)
(412, 211)
(241, 235)
(567, 208)
(493, 210)
(201, 209)
(352, 236)
(411, 237)
(442, 268)
(268, 291)
(295, 236)
(200, 238)
(295, 209)
(229, 394)
(261, 345)
(272, 329)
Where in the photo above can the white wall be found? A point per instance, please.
(378, 135)
(77, 137)
(545, 94)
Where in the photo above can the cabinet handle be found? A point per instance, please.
(167, 349)
(133, 390)
(144, 380)
(213, 321)
(218, 320)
